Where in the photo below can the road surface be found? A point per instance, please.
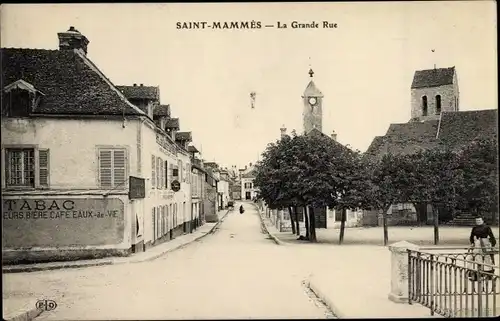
(238, 272)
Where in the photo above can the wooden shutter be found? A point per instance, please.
(43, 167)
(153, 171)
(161, 180)
(167, 178)
(158, 172)
(154, 223)
(119, 168)
(105, 168)
(171, 172)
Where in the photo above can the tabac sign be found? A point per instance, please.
(44, 222)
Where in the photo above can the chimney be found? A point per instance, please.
(135, 85)
(250, 164)
(283, 131)
(142, 85)
(245, 167)
(334, 136)
(72, 39)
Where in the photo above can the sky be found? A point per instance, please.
(364, 67)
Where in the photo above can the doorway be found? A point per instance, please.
(248, 195)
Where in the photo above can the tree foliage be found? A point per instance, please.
(312, 171)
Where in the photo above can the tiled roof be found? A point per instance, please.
(70, 82)
(162, 110)
(375, 146)
(192, 149)
(183, 136)
(140, 92)
(312, 90)
(433, 77)
(456, 129)
(250, 174)
(459, 128)
(173, 123)
(405, 138)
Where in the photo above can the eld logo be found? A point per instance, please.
(46, 305)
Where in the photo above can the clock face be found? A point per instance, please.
(312, 100)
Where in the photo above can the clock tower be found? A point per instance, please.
(313, 113)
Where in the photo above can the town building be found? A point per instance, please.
(312, 115)
(223, 188)
(210, 202)
(248, 189)
(436, 122)
(90, 169)
(197, 184)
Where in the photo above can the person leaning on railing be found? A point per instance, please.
(483, 242)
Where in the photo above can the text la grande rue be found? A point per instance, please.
(309, 25)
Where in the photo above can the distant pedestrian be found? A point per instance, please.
(242, 210)
(482, 243)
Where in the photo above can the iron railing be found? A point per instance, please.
(453, 282)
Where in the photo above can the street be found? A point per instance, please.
(235, 273)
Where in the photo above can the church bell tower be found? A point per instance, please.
(313, 110)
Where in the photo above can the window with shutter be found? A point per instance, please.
(112, 168)
(162, 179)
(43, 170)
(106, 168)
(154, 223)
(153, 171)
(167, 178)
(119, 168)
(158, 174)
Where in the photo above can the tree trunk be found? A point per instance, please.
(306, 222)
(435, 212)
(384, 219)
(297, 222)
(292, 221)
(312, 221)
(342, 226)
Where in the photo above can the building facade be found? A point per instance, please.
(436, 122)
(68, 153)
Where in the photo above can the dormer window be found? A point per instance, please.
(438, 104)
(19, 99)
(424, 106)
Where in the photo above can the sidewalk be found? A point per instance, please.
(148, 255)
(346, 279)
(354, 287)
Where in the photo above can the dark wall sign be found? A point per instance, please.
(175, 185)
(137, 187)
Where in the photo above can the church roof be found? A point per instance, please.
(433, 77)
(460, 128)
(312, 90)
(454, 130)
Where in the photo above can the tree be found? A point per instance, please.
(389, 180)
(310, 171)
(353, 185)
(478, 164)
(434, 178)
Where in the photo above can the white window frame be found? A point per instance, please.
(36, 165)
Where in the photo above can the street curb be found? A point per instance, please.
(264, 227)
(327, 301)
(76, 264)
(26, 315)
(211, 231)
